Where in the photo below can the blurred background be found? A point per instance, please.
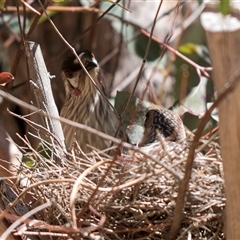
(112, 31)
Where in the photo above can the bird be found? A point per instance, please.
(165, 137)
(165, 122)
(86, 102)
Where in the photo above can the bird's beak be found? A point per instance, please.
(91, 64)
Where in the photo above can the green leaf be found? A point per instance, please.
(29, 160)
(224, 7)
(214, 113)
(140, 45)
(195, 102)
(44, 150)
(191, 48)
(188, 48)
(2, 4)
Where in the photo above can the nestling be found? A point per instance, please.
(168, 124)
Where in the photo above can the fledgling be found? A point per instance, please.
(165, 122)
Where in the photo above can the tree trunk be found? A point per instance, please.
(223, 37)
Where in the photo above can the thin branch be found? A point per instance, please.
(97, 20)
(142, 65)
(24, 217)
(76, 187)
(187, 22)
(200, 70)
(19, 22)
(38, 224)
(29, 7)
(32, 27)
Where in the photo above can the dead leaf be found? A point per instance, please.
(5, 77)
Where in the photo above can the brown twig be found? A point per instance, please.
(200, 70)
(32, 27)
(29, 7)
(76, 187)
(38, 224)
(22, 218)
(141, 67)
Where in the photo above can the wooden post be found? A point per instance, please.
(43, 91)
(223, 38)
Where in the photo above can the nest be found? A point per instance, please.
(132, 196)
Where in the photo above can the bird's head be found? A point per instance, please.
(75, 78)
(164, 122)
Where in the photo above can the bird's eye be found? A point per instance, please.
(68, 74)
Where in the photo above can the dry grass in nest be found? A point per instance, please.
(128, 197)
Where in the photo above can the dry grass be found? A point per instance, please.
(128, 197)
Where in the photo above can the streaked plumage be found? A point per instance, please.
(165, 122)
(164, 136)
(84, 103)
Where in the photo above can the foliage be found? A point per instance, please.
(224, 7)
